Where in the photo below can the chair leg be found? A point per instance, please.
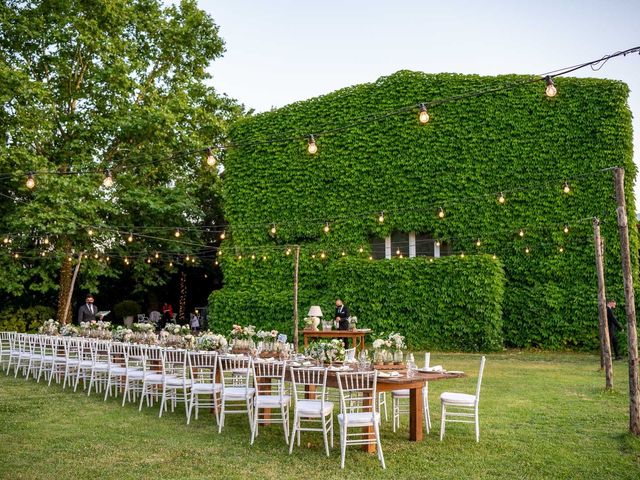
(143, 394)
(477, 425)
(293, 432)
(442, 421)
(188, 408)
(221, 424)
(343, 444)
(284, 413)
(376, 429)
(324, 435)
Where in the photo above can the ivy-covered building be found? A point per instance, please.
(471, 231)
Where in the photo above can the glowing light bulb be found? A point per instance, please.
(370, 257)
(441, 212)
(157, 255)
(313, 256)
(501, 198)
(431, 260)
(16, 255)
(273, 229)
(437, 243)
(108, 179)
(96, 256)
(193, 260)
(90, 232)
(223, 235)
(148, 260)
(44, 254)
(566, 188)
(31, 181)
(423, 116)
(288, 252)
(344, 253)
(521, 233)
(461, 254)
(312, 148)
(361, 250)
(177, 233)
(264, 258)
(566, 228)
(322, 255)
(5, 240)
(126, 260)
(381, 217)
(494, 257)
(478, 243)
(326, 227)
(253, 257)
(398, 252)
(561, 249)
(526, 250)
(551, 89)
(211, 159)
(46, 240)
(130, 238)
(170, 264)
(216, 263)
(187, 258)
(239, 257)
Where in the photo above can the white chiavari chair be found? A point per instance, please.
(236, 396)
(134, 361)
(357, 411)
(311, 411)
(268, 377)
(205, 390)
(6, 346)
(399, 407)
(85, 363)
(175, 384)
(151, 375)
(116, 370)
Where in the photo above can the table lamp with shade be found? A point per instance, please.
(315, 313)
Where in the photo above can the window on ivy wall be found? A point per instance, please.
(408, 245)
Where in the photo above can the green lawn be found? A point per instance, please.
(543, 415)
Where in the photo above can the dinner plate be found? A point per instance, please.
(456, 372)
(432, 370)
(389, 374)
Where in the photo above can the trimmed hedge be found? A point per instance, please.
(23, 320)
(518, 142)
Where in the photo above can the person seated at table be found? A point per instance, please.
(342, 314)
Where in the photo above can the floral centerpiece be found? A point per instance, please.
(175, 329)
(211, 342)
(311, 323)
(242, 337)
(268, 342)
(122, 334)
(69, 331)
(50, 327)
(383, 347)
(96, 329)
(143, 333)
(353, 320)
(328, 351)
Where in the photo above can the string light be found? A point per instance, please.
(96, 256)
(211, 159)
(313, 255)
(90, 232)
(437, 243)
(361, 249)
(170, 264)
(46, 240)
(344, 253)
(561, 249)
(398, 252)
(521, 233)
(526, 250)
(478, 243)
(501, 198)
(326, 227)
(423, 116)
(551, 89)
(566, 228)
(494, 257)
(177, 233)
(239, 257)
(31, 181)
(253, 256)
(188, 258)
(216, 263)
(126, 260)
(288, 252)
(5, 240)
(193, 259)
(16, 255)
(461, 254)
(273, 230)
(130, 238)
(108, 179)
(148, 260)
(381, 217)
(264, 258)
(322, 255)
(157, 255)
(312, 148)
(566, 188)
(223, 235)
(370, 257)
(440, 212)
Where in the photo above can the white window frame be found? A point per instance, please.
(412, 247)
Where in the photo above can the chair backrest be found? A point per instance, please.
(235, 370)
(49, 346)
(134, 356)
(358, 392)
(71, 348)
(100, 351)
(482, 362)
(305, 379)
(6, 342)
(33, 342)
(117, 354)
(427, 359)
(350, 354)
(268, 377)
(174, 362)
(203, 366)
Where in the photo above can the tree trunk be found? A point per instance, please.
(182, 306)
(605, 345)
(66, 271)
(630, 305)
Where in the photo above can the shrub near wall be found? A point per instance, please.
(453, 303)
(517, 141)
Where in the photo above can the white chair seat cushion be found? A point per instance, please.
(205, 387)
(118, 370)
(176, 382)
(458, 398)
(85, 363)
(359, 419)
(313, 408)
(272, 401)
(102, 367)
(135, 373)
(237, 393)
(61, 359)
(153, 377)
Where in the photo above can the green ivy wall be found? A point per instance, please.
(518, 142)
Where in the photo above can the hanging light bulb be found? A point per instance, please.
(322, 255)
(170, 264)
(401, 256)
(398, 252)
(478, 243)
(157, 255)
(361, 249)
(501, 198)
(187, 258)
(96, 256)
(108, 259)
(31, 181)
(264, 258)
(126, 260)
(90, 232)
(193, 259)
(423, 116)
(440, 212)
(148, 260)
(216, 263)
(461, 254)
(437, 243)
(381, 217)
(69, 259)
(273, 229)
(494, 257)
(16, 255)
(343, 253)
(566, 188)
(561, 249)
(5, 240)
(223, 235)
(521, 233)
(46, 240)
(130, 238)
(526, 250)
(239, 257)
(44, 254)
(108, 178)
(551, 89)
(565, 228)
(288, 252)
(312, 148)
(211, 158)
(253, 257)
(370, 257)
(326, 227)
(313, 255)
(177, 233)
(431, 260)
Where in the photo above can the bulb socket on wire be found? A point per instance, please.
(441, 213)
(423, 115)
(108, 179)
(211, 158)
(550, 90)
(566, 188)
(31, 181)
(312, 148)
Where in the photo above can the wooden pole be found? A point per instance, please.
(296, 266)
(605, 345)
(73, 283)
(630, 305)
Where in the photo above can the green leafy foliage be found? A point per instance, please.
(517, 141)
(25, 319)
(126, 308)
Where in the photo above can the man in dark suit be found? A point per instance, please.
(614, 326)
(342, 314)
(88, 310)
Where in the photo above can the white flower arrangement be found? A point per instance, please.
(69, 331)
(122, 334)
(397, 341)
(210, 341)
(323, 350)
(242, 333)
(143, 327)
(50, 327)
(267, 335)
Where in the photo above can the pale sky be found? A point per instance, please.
(282, 51)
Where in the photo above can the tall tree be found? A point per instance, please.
(91, 85)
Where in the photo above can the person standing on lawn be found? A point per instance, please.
(614, 326)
